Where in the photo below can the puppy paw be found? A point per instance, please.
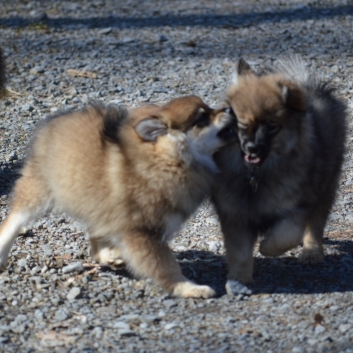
(116, 263)
(191, 290)
(235, 288)
(312, 256)
(110, 257)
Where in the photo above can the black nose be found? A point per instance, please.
(252, 147)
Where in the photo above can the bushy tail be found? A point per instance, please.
(294, 67)
(2, 74)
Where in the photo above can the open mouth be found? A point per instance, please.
(252, 158)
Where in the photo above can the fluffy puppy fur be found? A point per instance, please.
(131, 177)
(280, 179)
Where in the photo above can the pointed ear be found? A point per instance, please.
(293, 96)
(243, 68)
(150, 129)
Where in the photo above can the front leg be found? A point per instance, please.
(286, 234)
(106, 254)
(148, 256)
(239, 240)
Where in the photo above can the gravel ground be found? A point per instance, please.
(61, 54)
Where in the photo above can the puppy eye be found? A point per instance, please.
(227, 133)
(229, 110)
(273, 128)
(202, 120)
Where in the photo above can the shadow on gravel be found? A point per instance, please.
(9, 172)
(205, 20)
(277, 275)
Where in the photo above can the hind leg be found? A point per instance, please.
(28, 202)
(313, 251)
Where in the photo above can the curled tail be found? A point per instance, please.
(295, 68)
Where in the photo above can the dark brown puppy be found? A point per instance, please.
(280, 179)
(131, 177)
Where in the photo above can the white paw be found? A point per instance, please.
(234, 287)
(110, 257)
(191, 290)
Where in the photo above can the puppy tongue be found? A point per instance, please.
(252, 160)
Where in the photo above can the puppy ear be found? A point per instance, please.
(150, 129)
(243, 68)
(293, 96)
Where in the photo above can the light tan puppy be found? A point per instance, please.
(131, 177)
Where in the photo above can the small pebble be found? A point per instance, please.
(61, 315)
(73, 267)
(74, 293)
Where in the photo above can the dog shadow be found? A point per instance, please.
(9, 173)
(283, 274)
(277, 275)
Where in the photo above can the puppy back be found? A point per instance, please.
(106, 120)
(80, 135)
(113, 120)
